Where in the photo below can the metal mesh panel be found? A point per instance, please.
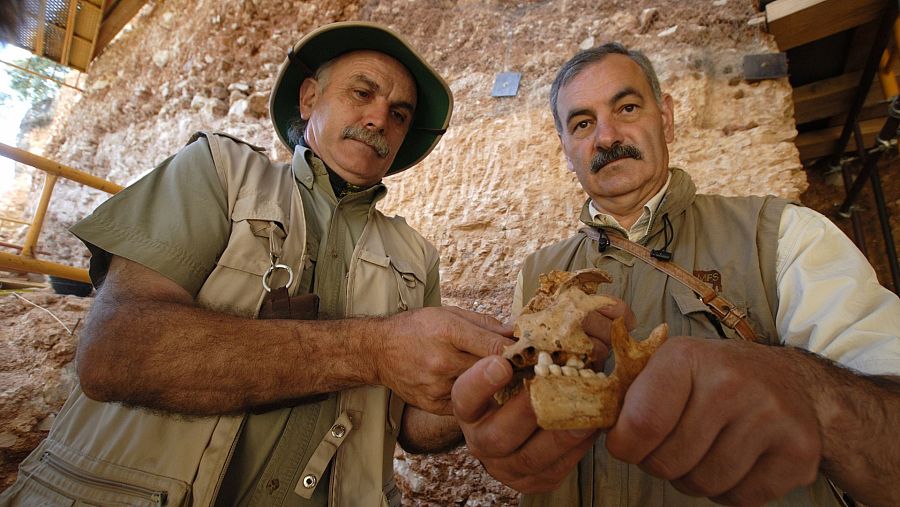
(47, 30)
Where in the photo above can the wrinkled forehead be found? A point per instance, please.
(611, 74)
(375, 65)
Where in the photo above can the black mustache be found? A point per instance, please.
(374, 139)
(617, 152)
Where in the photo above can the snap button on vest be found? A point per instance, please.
(310, 481)
(338, 431)
(272, 485)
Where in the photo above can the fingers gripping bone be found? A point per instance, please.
(549, 357)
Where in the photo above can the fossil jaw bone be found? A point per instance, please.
(549, 357)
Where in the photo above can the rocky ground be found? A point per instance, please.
(495, 189)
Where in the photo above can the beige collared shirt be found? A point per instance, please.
(642, 225)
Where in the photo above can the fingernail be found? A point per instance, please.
(495, 372)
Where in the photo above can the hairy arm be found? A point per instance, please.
(146, 343)
(859, 417)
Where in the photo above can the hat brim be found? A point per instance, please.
(434, 102)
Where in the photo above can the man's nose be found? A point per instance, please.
(376, 116)
(606, 135)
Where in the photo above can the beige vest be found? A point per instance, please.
(730, 243)
(106, 452)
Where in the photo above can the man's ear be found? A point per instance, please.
(309, 95)
(563, 145)
(668, 117)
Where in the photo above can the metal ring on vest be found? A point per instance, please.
(272, 268)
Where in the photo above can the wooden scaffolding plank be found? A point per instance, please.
(796, 22)
(114, 21)
(70, 31)
(821, 143)
(830, 97)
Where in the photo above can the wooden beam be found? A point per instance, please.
(821, 143)
(830, 97)
(796, 22)
(115, 21)
(70, 31)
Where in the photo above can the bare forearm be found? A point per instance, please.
(186, 359)
(422, 432)
(859, 416)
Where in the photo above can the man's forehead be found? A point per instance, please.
(369, 59)
(613, 77)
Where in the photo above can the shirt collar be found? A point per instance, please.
(309, 169)
(640, 228)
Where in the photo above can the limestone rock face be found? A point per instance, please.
(496, 188)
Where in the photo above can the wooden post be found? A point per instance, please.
(34, 230)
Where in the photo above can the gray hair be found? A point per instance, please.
(582, 59)
(297, 125)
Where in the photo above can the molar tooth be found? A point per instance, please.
(555, 369)
(544, 358)
(575, 362)
(541, 370)
(586, 372)
(569, 371)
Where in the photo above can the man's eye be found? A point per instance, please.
(583, 124)
(630, 108)
(363, 94)
(398, 116)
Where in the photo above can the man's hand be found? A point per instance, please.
(721, 419)
(423, 352)
(507, 439)
(598, 324)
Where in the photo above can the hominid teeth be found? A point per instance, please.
(544, 358)
(541, 370)
(555, 369)
(569, 371)
(575, 362)
(586, 372)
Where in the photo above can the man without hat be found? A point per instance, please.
(203, 379)
(786, 391)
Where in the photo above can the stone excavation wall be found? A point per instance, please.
(495, 189)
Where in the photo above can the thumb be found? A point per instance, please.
(472, 393)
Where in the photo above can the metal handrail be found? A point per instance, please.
(25, 261)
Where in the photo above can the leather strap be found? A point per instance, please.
(726, 312)
(279, 305)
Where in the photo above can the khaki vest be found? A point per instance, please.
(108, 453)
(730, 243)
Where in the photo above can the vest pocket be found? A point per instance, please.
(387, 285)
(57, 481)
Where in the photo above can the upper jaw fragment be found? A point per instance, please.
(550, 356)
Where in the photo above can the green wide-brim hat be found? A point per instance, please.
(434, 102)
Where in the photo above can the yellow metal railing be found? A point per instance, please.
(25, 260)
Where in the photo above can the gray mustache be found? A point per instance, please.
(374, 139)
(618, 151)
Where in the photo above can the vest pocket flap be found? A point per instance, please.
(374, 258)
(688, 302)
(256, 233)
(251, 207)
(409, 271)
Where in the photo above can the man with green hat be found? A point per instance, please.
(262, 334)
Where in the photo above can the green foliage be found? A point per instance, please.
(31, 88)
